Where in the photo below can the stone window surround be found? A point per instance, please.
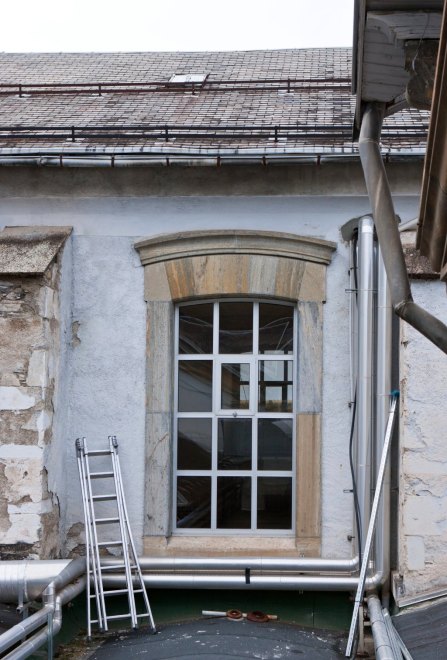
(221, 263)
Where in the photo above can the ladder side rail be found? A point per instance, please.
(87, 538)
(124, 532)
(90, 558)
(372, 524)
(95, 545)
(112, 439)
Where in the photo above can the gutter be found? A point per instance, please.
(188, 156)
(387, 230)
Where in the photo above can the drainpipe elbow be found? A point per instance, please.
(375, 581)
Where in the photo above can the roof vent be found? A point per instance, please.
(188, 78)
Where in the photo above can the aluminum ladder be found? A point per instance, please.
(117, 521)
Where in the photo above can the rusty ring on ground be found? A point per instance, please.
(257, 616)
(234, 614)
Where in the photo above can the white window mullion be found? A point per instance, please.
(254, 469)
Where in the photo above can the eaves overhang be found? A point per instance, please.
(394, 53)
(432, 230)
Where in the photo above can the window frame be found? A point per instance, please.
(254, 358)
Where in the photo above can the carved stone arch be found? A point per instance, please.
(218, 263)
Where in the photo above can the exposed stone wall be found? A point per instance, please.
(29, 328)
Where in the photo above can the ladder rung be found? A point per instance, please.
(115, 592)
(119, 616)
(140, 616)
(98, 452)
(106, 521)
(104, 498)
(116, 566)
(101, 475)
(105, 544)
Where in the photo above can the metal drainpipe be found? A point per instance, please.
(56, 594)
(365, 307)
(387, 230)
(383, 389)
(254, 582)
(54, 603)
(382, 644)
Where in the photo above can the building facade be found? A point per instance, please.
(173, 272)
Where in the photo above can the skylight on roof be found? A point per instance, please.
(188, 78)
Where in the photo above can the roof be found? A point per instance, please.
(269, 102)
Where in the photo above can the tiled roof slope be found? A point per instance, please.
(305, 107)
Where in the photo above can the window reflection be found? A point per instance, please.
(196, 328)
(234, 444)
(194, 502)
(234, 502)
(194, 444)
(195, 385)
(275, 329)
(235, 385)
(274, 503)
(235, 327)
(275, 444)
(275, 386)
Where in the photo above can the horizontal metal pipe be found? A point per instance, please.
(300, 564)
(26, 580)
(387, 230)
(52, 607)
(382, 644)
(256, 582)
(24, 628)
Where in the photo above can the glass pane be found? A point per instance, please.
(235, 386)
(194, 502)
(275, 386)
(194, 444)
(236, 327)
(196, 329)
(275, 444)
(234, 502)
(195, 386)
(234, 451)
(274, 503)
(275, 329)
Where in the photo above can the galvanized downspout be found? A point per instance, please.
(382, 643)
(387, 230)
(365, 310)
(383, 389)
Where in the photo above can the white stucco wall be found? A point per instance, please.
(107, 353)
(423, 473)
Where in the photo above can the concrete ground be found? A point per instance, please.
(221, 639)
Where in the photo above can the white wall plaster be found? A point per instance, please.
(102, 386)
(20, 451)
(25, 528)
(423, 483)
(12, 398)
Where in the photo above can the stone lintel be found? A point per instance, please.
(166, 247)
(30, 250)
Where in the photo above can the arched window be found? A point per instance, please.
(222, 382)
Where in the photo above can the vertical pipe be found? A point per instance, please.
(365, 306)
(383, 389)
